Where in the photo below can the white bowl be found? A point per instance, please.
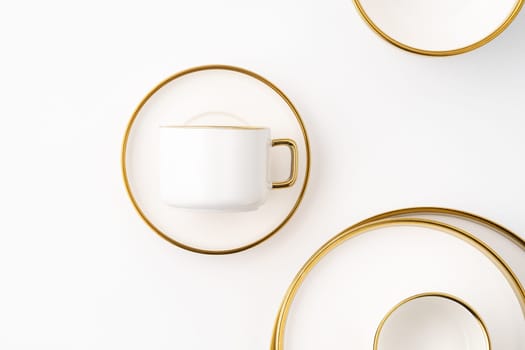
(439, 27)
(432, 321)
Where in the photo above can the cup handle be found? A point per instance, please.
(294, 162)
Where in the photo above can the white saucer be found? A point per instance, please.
(342, 293)
(432, 321)
(439, 27)
(198, 93)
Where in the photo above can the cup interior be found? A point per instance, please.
(432, 321)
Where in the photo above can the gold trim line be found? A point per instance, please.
(512, 15)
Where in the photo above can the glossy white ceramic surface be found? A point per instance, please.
(512, 253)
(438, 25)
(215, 168)
(343, 299)
(432, 323)
(210, 98)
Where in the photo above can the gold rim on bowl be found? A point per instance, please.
(512, 15)
(451, 297)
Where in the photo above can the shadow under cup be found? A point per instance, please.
(218, 167)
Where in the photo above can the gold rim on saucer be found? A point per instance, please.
(277, 342)
(451, 297)
(125, 145)
(480, 43)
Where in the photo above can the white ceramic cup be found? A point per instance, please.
(218, 167)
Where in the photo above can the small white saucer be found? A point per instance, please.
(438, 27)
(342, 292)
(194, 95)
(432, 321)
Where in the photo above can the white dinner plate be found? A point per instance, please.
(439, 27)
(343, 292)
(508, 245)
(200, 95)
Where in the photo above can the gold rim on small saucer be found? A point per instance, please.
(451, 297)
(182, 74)
(277, 342)
(461, 50)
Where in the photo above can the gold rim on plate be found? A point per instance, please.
(277, 342)
(137, 112)
(478, 44)
(505, 232)
(451, 297)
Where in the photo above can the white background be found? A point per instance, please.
(389, 129)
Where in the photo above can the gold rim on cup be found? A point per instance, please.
(130, 126)
(227, 127)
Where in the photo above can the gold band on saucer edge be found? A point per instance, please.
(514, 13)
(277, 341)
(195, 70)
(451, 297)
